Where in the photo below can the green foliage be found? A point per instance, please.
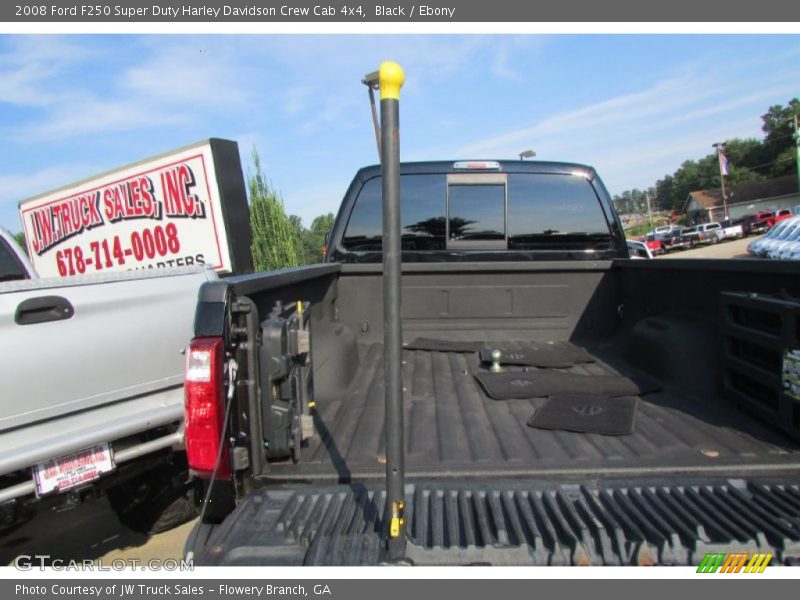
(20, 237)
(274, 244)
(637, 230)
(633, 201)
(311, 241)
(778, 129)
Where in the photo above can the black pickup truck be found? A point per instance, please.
(562, 404)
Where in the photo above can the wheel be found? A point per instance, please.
(157, 500)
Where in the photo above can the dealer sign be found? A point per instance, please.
(183, 208)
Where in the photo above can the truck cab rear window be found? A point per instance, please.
(421, 215)
(476, 212)
(491, 211)
(555, 210)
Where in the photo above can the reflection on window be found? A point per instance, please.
(422, 202)
(477, 212)
(549, 210)
(546, 212)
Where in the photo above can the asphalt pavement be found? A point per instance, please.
(90, 531)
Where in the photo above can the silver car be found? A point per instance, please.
(756, 247)
(783, 246)
(776, 241)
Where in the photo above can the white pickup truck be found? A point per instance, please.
(731, 229)
(92, 396)
(705, 233)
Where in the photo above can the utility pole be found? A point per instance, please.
(649, 209)
(722, 172)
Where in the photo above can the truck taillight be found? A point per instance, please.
(205, 409)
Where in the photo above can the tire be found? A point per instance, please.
(156, 501)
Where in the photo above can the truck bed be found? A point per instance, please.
(453, 429)
(711, 465)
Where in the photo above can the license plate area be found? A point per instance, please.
(72, 470)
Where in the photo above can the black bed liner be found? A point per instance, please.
(454, 430)
(513, 522)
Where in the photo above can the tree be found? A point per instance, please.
(320, 227)
(310, 242)
(20, 237)
(664, 193)
(274, 244)
(778, 129)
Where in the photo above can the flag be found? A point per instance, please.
(723, 163)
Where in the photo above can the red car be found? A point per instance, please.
(766, 215)
(782, 214)
(655, 245)
(758, 222)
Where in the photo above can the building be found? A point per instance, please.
(703, 206)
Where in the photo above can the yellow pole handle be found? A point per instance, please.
(390, 80)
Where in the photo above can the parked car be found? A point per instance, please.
(731, 229)
(759, 222)
(664, 229)
(791, 252)
(654, 244)
(638, 249)
(757, 247)
(772, 247)
(788, 247)
(92, 392)
(673, 239)
(782, 214)
(705, 233)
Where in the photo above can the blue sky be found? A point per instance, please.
(633, 106)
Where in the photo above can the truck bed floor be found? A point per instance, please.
(452, 429)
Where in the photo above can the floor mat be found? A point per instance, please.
(587, 413)
(443, 345)
(512, 385)
(560, 355)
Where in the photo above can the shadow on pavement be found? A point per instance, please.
(87, 532)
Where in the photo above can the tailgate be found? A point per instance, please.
(513, 523)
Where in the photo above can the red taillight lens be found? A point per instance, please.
(205, 407)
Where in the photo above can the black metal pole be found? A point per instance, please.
(390, 80)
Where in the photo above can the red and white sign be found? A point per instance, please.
(73, 470)
(159, 213)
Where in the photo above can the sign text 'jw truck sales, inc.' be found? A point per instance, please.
(187, 207)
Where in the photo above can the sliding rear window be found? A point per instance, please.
(484, 211)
